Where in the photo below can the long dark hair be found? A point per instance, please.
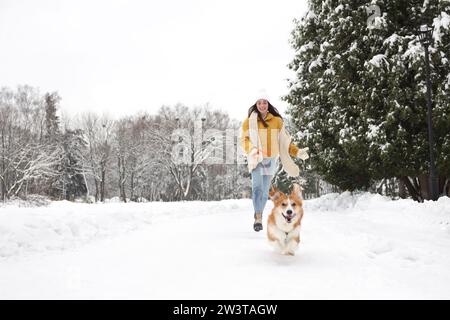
(271, 109)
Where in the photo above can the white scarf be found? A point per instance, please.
(254, 158)
(284, 140)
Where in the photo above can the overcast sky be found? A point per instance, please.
(127, 56)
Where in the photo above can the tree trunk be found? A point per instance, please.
(416, 185)
(87, 186)
(3, 184)
(317, 189)
(102, 187)
(96, 189)
(413, 191)
(424, 182)
(441, 185)
(402, 189)
(132, 185)
(446, 188)
(3, 189)
(121, 168)
(379, 188)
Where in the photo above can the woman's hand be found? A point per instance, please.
(253, 152)
(256, 151)
(303, 153)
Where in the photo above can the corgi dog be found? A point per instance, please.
(283, 223)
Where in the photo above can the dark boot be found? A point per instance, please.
(257, 225)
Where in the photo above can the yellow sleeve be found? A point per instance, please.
(245, 138)
(293, 149)
(280, 123)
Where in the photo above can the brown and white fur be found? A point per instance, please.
(283, 223)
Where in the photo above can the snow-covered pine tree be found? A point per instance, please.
(284, 183)
(69, 146)
(51, 119)
(71, 181)
(359, 93)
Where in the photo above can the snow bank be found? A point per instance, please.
(32, 201)
(432, 214)
(63, 224)
(360, 201)
(345, 201)
(354, 246)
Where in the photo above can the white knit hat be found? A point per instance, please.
(262, 94)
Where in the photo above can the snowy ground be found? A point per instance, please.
(353, 247)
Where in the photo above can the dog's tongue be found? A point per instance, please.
(289, 218)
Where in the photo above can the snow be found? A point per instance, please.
(373, 131)
(339, 8)
(445, 20)
(425, 6)
(442, 21)
(345, 134)
(379, 22)
(359, 245)
(330, 72)
(392, 39)
(306, 47)
(315, 63)
(354, 46)
(310, 15)
(414, 50)
(378, 59)
(324, 46)
(64, 225)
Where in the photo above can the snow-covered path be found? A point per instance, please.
(353, 247)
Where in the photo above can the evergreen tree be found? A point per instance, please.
(359, 93)
(284, 183)
(51, 119)
(71, 181)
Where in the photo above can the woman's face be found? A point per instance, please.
(262, 105)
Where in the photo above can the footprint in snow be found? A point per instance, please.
(380, 247)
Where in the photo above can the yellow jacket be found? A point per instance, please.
(269, 137)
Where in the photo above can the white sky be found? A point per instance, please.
(127, 56)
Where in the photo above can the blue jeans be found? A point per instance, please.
(261, 179)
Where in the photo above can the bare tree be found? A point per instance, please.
(31, 162)
(178, 136)
(177, 154)
(21, 116)
(98, 132)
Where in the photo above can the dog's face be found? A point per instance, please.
(289, 207)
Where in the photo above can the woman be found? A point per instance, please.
(264, 140)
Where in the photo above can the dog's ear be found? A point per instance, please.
(297, 190)
(274, 194)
